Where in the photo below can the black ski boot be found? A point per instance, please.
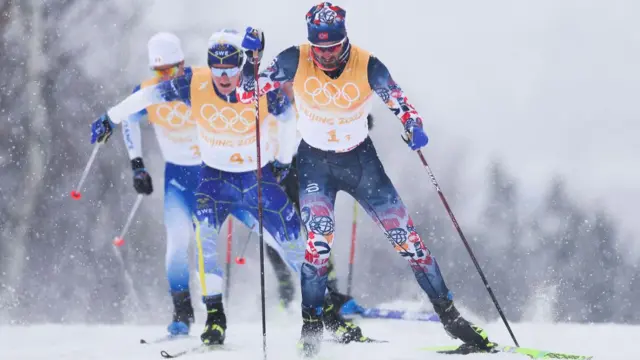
(215, 329)
(286, 289)
(182, 314)
(311, 335)
(342, 330)
(338, 299)
(473, 336)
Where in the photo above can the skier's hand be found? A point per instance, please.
(259, 36)
(102, 129)
(416, 137)
(141, 178)
(253, 39)
(280, 170)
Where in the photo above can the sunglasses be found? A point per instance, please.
(171, 72)
(218, 72)
(332, 48)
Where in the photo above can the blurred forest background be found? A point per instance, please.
(65, 62)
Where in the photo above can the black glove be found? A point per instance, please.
(280, 170)
(370, 121)
(141, 178)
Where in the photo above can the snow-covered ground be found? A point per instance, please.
(245, 338)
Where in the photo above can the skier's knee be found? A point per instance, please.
(320, 231)
(204, 209)
(410, 247)
(318, 250)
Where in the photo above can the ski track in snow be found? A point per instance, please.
(406, 337)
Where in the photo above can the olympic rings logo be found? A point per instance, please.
(228, 119)
(175, 115)
(330, 93)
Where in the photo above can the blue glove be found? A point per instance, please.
(416, 137)
(253, 39)
(253, 36)
(280, 170)
(102, 129)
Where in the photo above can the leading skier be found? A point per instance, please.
(333, 82)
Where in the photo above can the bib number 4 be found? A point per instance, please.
(237, 158)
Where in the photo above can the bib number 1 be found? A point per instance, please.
(332, 136)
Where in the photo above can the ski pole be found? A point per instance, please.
(240, 260)
(119, 240)
(75, 193)
(128, 279)
(256, 99)
(352, 253)
(227, 284)
(466, 244)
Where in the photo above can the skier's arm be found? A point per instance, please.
(281, 70)
(177, 89)
(131, 132)
(390, 92)
(142, 182)
(281, 108)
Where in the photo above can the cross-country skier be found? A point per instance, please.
(176, 132)
(333, 82)
(177, 137)
(227, 185)
(291, 186)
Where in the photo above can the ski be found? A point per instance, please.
(531, 353)
(374, 341)
(200, 349)
(376, 313)
(367, 340)
(165, 338)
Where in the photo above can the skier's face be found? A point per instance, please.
(225, 77)
(327, 54)
(168, 72)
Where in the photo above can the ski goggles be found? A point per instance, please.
(168, 72)
(218, 72)
(332, 48)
